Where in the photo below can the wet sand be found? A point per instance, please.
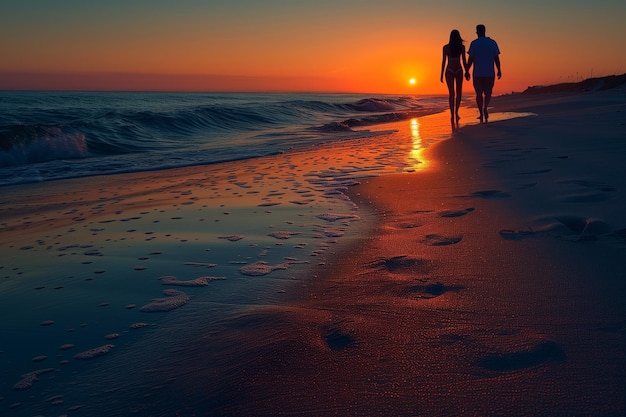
(98, 273)
(478, 275)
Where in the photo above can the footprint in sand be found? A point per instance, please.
(402, 263)
(403, 226)
(455, 213)
(439, 240)
(336, 340)
(511, 361)
(429, 290)
(567, 227)
(584, 225)
(511, 234)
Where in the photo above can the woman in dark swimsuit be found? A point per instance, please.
(453, 53)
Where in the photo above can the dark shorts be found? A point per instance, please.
(484, 85)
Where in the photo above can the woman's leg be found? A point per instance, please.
(451, 98)
(459, 93)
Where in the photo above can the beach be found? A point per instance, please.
(419, 272)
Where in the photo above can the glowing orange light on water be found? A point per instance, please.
(416, 155)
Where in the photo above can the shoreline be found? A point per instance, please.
(477, 293)
(87, 255)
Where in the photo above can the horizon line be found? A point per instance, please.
(147, 82)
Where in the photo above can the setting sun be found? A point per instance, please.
(412, 81)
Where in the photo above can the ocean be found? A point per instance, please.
(55, 135)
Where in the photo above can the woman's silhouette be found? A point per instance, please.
(453, 53)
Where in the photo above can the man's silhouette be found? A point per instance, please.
(483, 54)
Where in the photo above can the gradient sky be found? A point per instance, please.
(365, 46)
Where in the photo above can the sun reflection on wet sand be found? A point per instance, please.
(425, 131)
(417, 151)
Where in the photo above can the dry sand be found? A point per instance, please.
(488, 280)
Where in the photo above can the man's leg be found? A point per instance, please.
(488, 88)
(478, 87)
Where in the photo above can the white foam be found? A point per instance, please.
(30, 378)
(197, 282)
(261, 268)
(95, 352)
(173, 300)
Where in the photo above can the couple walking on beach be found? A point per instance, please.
(483, 55)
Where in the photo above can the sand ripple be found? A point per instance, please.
(439, 240)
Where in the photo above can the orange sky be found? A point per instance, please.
(293, 45)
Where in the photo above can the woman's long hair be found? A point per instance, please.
(456, 43)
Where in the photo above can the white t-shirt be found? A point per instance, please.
(484, 50)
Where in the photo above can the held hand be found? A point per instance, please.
(467, 75)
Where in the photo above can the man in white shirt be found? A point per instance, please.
(483, 54)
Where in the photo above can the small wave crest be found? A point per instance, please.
(349, 124)
(387, 104)
(21, 145)
(372, 105)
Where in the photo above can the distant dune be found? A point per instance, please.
(590, 84)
